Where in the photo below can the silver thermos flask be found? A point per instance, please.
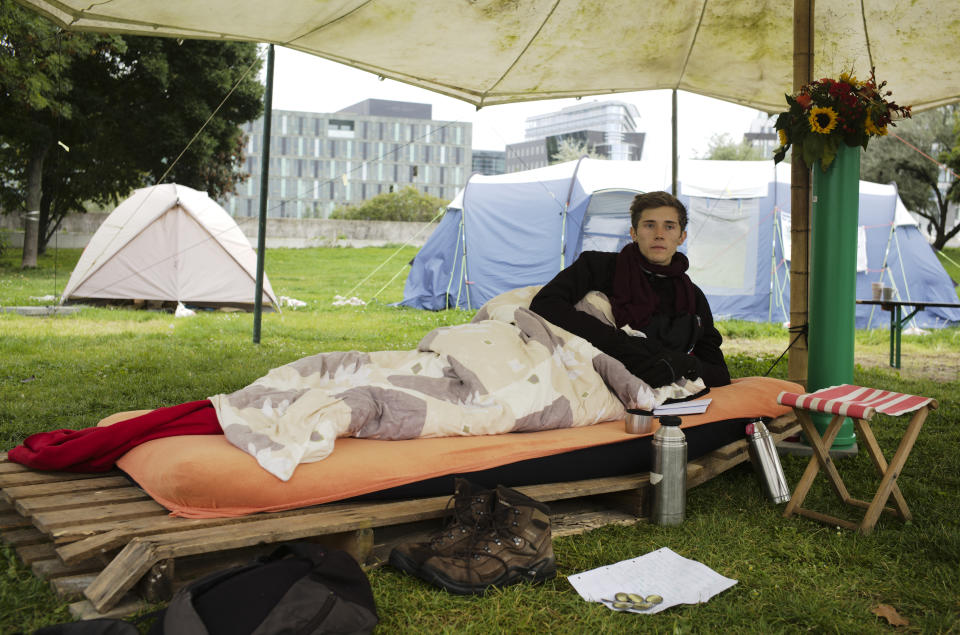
(669, 474)
(766, 462)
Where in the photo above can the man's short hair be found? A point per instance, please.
(649, 200)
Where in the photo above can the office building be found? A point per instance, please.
(489, 162)
(762, 134)
(320, 161)
(608, 128)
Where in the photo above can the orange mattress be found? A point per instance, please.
(206, 477)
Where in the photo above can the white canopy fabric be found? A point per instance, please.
(490, 52)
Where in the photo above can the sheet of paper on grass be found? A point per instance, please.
(683, 407)
(676, 579)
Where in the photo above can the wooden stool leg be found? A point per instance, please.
(820, 459)
(893, 470)
(865, 434)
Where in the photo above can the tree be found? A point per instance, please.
(88, 118)
(935, 133)
(571, 149)
(408, 204)
(722, 147)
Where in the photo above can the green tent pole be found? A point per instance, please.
(833, 279)
(264, 191)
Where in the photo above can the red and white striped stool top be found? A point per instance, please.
(855, 401)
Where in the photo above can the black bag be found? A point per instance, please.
(299, 588)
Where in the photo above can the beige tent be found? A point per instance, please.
(168, 243)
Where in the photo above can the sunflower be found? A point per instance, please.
(873, 129)
(823, 119)
(782, 134)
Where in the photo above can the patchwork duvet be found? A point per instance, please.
(508, 370)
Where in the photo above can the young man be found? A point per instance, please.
(664, 328)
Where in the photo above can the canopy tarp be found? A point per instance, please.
(497, 51)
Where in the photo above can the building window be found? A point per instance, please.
(340, 128)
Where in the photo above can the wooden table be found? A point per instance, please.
(898, 320)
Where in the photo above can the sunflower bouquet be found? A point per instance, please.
(828, 112)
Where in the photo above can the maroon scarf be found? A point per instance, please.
(634, 301)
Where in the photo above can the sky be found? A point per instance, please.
(312, 84)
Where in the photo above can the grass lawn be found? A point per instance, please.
(794, 574)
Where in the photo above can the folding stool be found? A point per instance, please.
(859, 404)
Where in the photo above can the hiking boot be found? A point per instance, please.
(472, 507)
(517, 547)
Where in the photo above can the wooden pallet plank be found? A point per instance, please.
(84, 541)
(121, 574)
(142, 553)
(19, 492)
(783, 423)
(32, 477)
(24, 536)
(54, 568)
(9, 467)
(71, 587)
(45, 521)
(13, 520)
(32, 553)
(97, 497)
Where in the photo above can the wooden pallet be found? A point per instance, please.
(101, 540)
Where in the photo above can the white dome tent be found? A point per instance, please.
(168, 243)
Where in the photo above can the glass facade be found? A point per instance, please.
(608, 127)
(320, 161)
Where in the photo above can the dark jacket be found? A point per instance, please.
(660, 358)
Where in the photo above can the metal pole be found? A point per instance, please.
(676, 150)
(264, 190)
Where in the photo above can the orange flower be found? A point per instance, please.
(804, 100)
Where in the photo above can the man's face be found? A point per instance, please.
(658, 234)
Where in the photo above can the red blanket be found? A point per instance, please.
(97, 449)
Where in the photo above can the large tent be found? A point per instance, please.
(168, 243)
(519, 229)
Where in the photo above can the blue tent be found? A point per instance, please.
(513, 230)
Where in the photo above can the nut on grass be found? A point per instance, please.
(623, 601)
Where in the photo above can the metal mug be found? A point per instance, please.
(638, 421)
